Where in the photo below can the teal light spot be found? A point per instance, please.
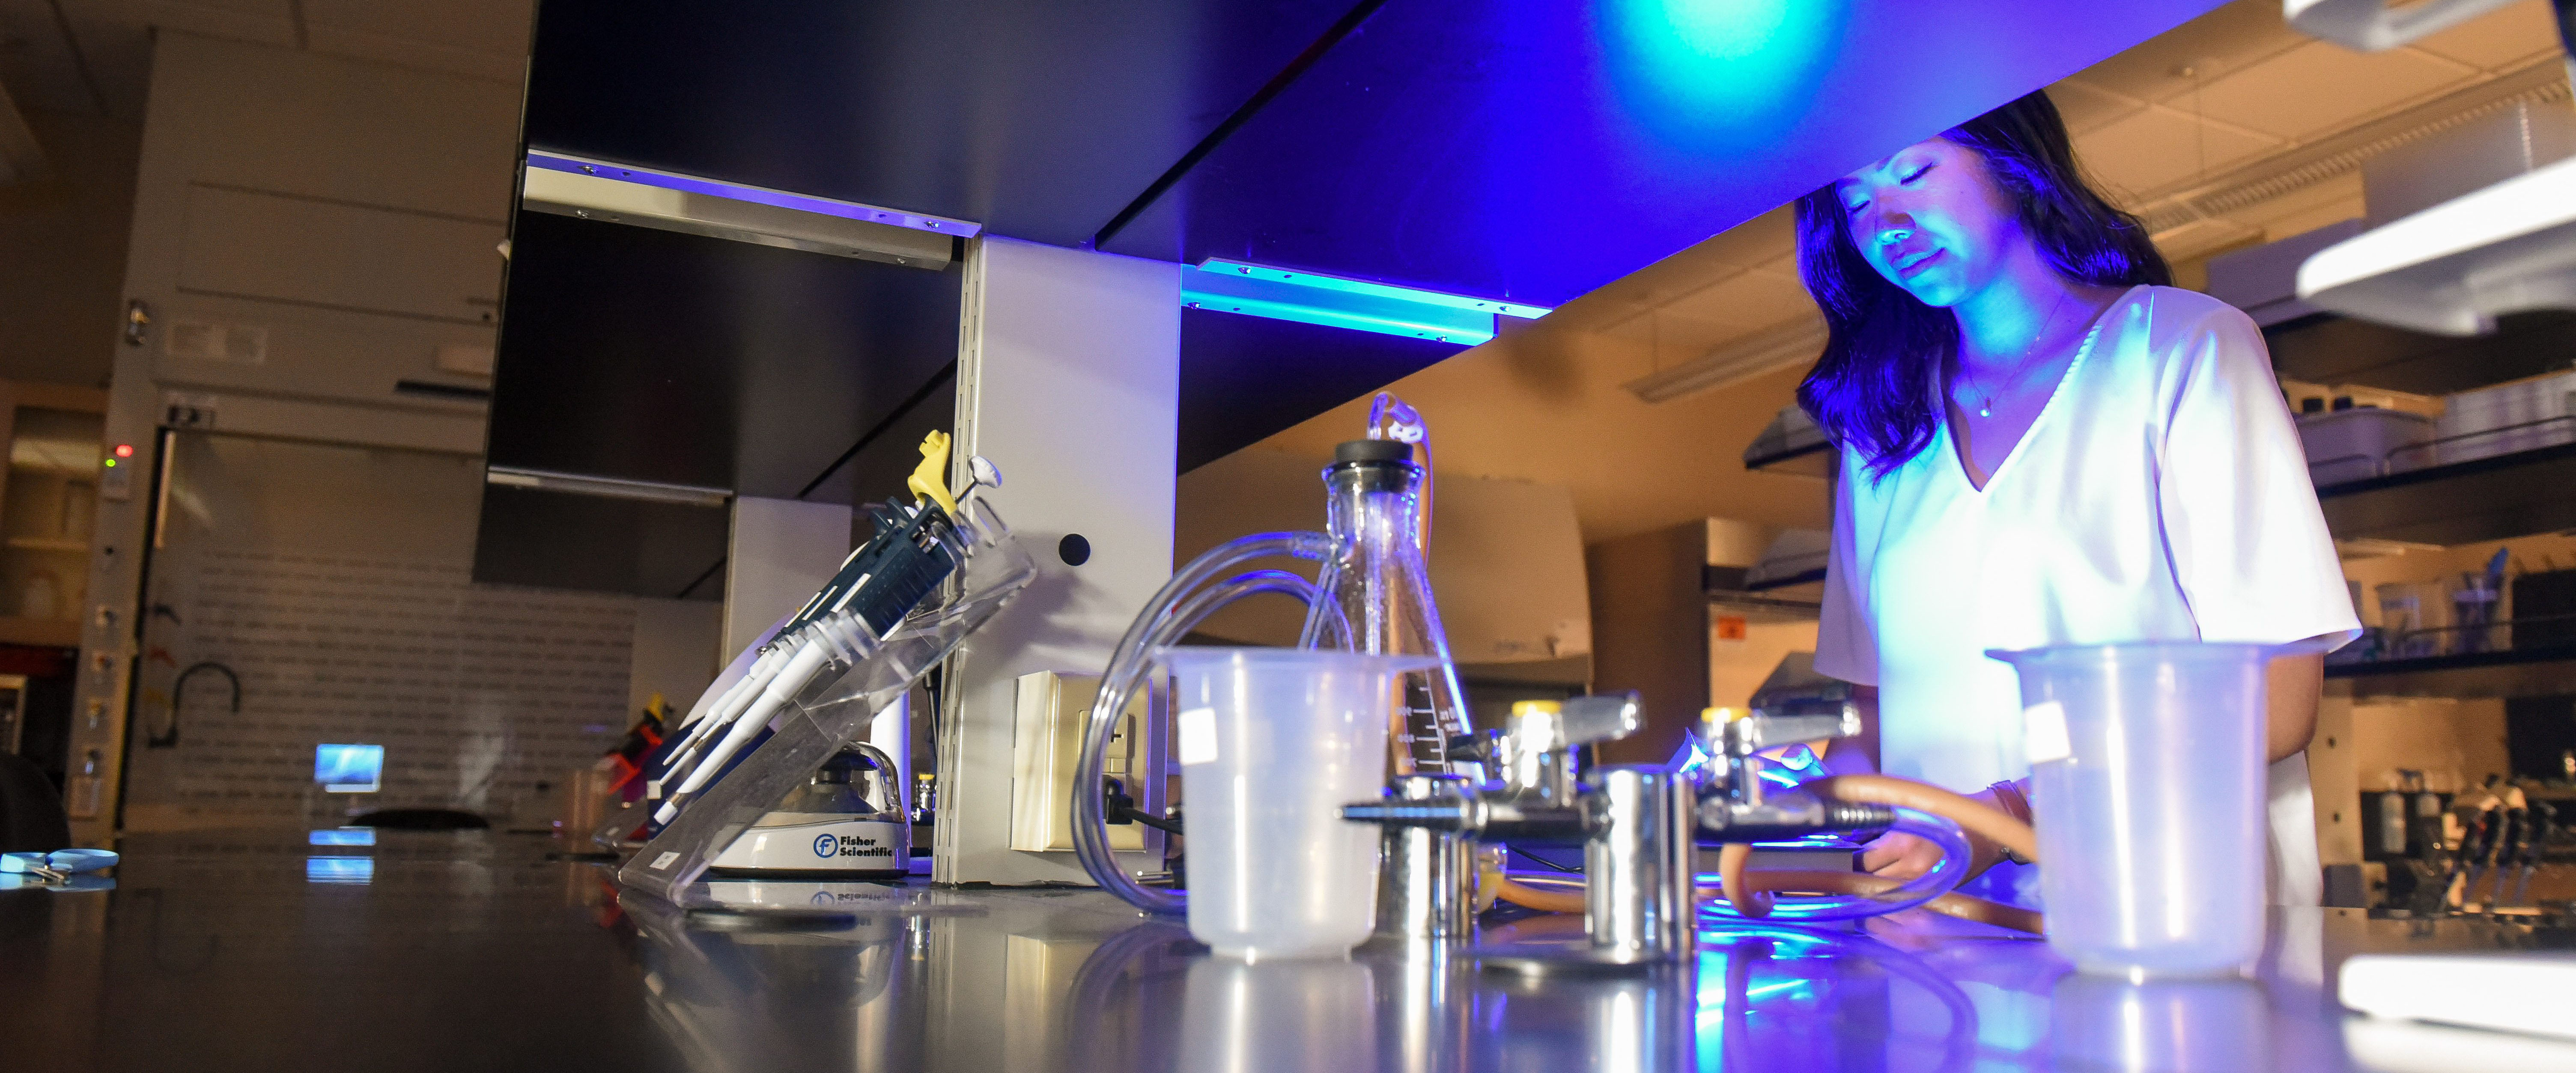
(1727, 70)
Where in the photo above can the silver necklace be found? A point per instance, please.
(1986, 399)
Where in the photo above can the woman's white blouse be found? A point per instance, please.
(2161, 495)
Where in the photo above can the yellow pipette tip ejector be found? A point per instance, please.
(930, 479)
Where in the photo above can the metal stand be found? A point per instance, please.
(1637, 881)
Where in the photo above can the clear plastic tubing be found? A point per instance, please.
(2147, 781)
(1272, 743)
(1943, 877)
(1182, 604)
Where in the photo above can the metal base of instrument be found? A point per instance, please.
(1578, 958)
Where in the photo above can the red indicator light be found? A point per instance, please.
(124, 450)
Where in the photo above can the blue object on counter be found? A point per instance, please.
(63, 861)
(59, 870)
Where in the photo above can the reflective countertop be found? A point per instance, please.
(263, 950)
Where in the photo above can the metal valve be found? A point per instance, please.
(1640, 826)
(1733, 804)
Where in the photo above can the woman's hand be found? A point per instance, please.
(1901, 856)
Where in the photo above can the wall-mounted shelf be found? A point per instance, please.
(2526, 672)
(1803, 577)
(1787, 600)
(2495, 498)
(1791, 443)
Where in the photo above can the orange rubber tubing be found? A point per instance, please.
(1975, 817)
(1750, 892)
(1962, 906)
(1545, 901)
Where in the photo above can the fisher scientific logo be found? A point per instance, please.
(829, 846)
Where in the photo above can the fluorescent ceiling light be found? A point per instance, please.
(1335, 302)
(1769, 350)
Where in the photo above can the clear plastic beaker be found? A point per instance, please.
(2147, 782)
(1272, 743)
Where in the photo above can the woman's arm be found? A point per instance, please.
(2293, 684)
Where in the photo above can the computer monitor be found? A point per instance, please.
(349, 769)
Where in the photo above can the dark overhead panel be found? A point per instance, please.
(558, 541)
(1039, 119)
(650, 355)
(1245, 378)
(1535, 151)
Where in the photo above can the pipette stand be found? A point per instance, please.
(835, 708)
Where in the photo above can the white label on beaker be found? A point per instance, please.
(2044, 732)
(1198, 735)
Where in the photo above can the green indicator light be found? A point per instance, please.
(111, 463)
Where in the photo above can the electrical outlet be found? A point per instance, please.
(1053, 712)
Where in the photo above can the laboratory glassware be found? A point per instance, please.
(2148, 787)
(1373, 595)
(1272, 742)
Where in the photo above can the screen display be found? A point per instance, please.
(344, 836)
(339, 869)
(349, 769)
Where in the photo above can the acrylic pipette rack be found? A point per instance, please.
(836, 706)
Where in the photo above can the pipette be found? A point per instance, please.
(871, 594)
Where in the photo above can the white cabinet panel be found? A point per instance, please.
(337, 255)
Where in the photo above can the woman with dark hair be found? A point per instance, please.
(2043, 442)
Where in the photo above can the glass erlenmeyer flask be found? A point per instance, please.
(1373, 595)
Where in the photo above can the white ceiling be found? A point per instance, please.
(93, 57)
(2210, 113)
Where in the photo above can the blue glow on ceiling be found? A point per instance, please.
(1724, 71)
(1335, 302)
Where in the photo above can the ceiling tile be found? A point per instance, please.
(2139, 155)
(1757, 240)
(2234, 36)
(1738, 306)
(2090, 107)
(2501, 39)
(268, 22)
(422, 55)
(499, 27)
(2315, 88)
(37, 61)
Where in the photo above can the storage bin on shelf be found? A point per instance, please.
(2358, 444)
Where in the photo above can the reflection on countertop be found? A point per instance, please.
(279, 950)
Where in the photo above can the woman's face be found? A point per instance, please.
(1932, 219)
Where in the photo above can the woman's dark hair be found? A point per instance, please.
(1877, 387)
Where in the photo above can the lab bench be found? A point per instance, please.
(263, 950)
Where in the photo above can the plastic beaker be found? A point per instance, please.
(1272, 743)
(2147, 782)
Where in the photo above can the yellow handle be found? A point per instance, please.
(930, 479)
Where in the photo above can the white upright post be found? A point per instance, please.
(1068, 380)
(780, 552)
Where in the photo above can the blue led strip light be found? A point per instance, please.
(538, 158)
(1332, 301)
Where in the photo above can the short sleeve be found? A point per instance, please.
(2247, 539)
(1846, 631)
